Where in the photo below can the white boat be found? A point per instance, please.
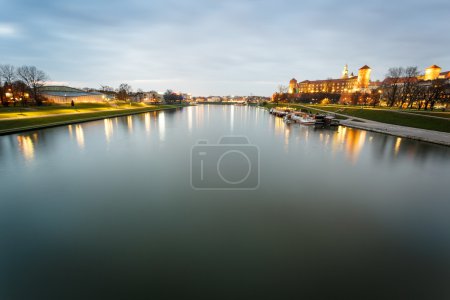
(304, 119)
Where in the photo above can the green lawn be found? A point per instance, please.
(441, 114)
(89, 112)
(390, 117)
(33, 111)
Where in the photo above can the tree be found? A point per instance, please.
(170, 97)
(124, 91)
(140, 95)
(434, 92)
(21, 91)
(34, 79)
(7, 75)
(391, 85)
(282, 89)
(409, 88)
(375, 97)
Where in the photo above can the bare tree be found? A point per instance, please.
(392, 85)
(436, 91)
(409, 87)
(106, 88)
(7, 76)
(34, 79)
(7, 73)
(282, 89)
(124, 91)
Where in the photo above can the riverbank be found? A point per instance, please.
(441, 137)
(58, 116)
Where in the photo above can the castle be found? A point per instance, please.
(347, 84)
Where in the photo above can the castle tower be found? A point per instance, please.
(345, 72)
(364, 77)
(432, 72)
(293, 86)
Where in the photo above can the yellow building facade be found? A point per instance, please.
(347, 84)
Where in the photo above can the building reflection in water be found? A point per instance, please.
(287, 131)
(70, 131)
(80, 136)
(147, 120)
(398, 143)
(162, 126)
(279, 126)
(26, 145)
(130, 123)
(232, 118)
(189, 115)
(109, 129)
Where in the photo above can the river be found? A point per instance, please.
(109, 207)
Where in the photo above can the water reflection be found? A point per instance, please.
(162, 126)
(26, 146)
(232, 118)
(147, 122)
(190, 112)
(80, 136)
(109, 129)
(130, 123)
(398, 142)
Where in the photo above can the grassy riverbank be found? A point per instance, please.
(415, 119)
(19, 119)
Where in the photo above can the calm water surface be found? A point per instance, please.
(107, 207)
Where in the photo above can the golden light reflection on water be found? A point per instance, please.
(79, 133)
(70, 131)
(130, 123)
(354, 142)
(162, 126)
(190, 112)
(398, 143)
(279, 126)
(287, 132)
(147, 120)
(109, 129)
(26, 146)
(232, 118)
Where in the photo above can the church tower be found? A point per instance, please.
(345, 72)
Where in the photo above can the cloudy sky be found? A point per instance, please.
(220, 47)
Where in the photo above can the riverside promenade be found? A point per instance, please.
(431, 136)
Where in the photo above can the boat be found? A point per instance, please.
(279, 112)
(301, 118)
(305, 119)
(326, 120)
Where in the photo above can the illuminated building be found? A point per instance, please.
(65, 94)
(434, 72)
(345, 86)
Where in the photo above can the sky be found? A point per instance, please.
(220, 47)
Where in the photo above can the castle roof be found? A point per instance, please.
(365, 67)
(293, 80)
(434, 67)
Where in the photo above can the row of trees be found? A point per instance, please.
(403, 88)
(21, 84)
(125, 92)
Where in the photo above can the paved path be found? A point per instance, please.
(431, 136)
